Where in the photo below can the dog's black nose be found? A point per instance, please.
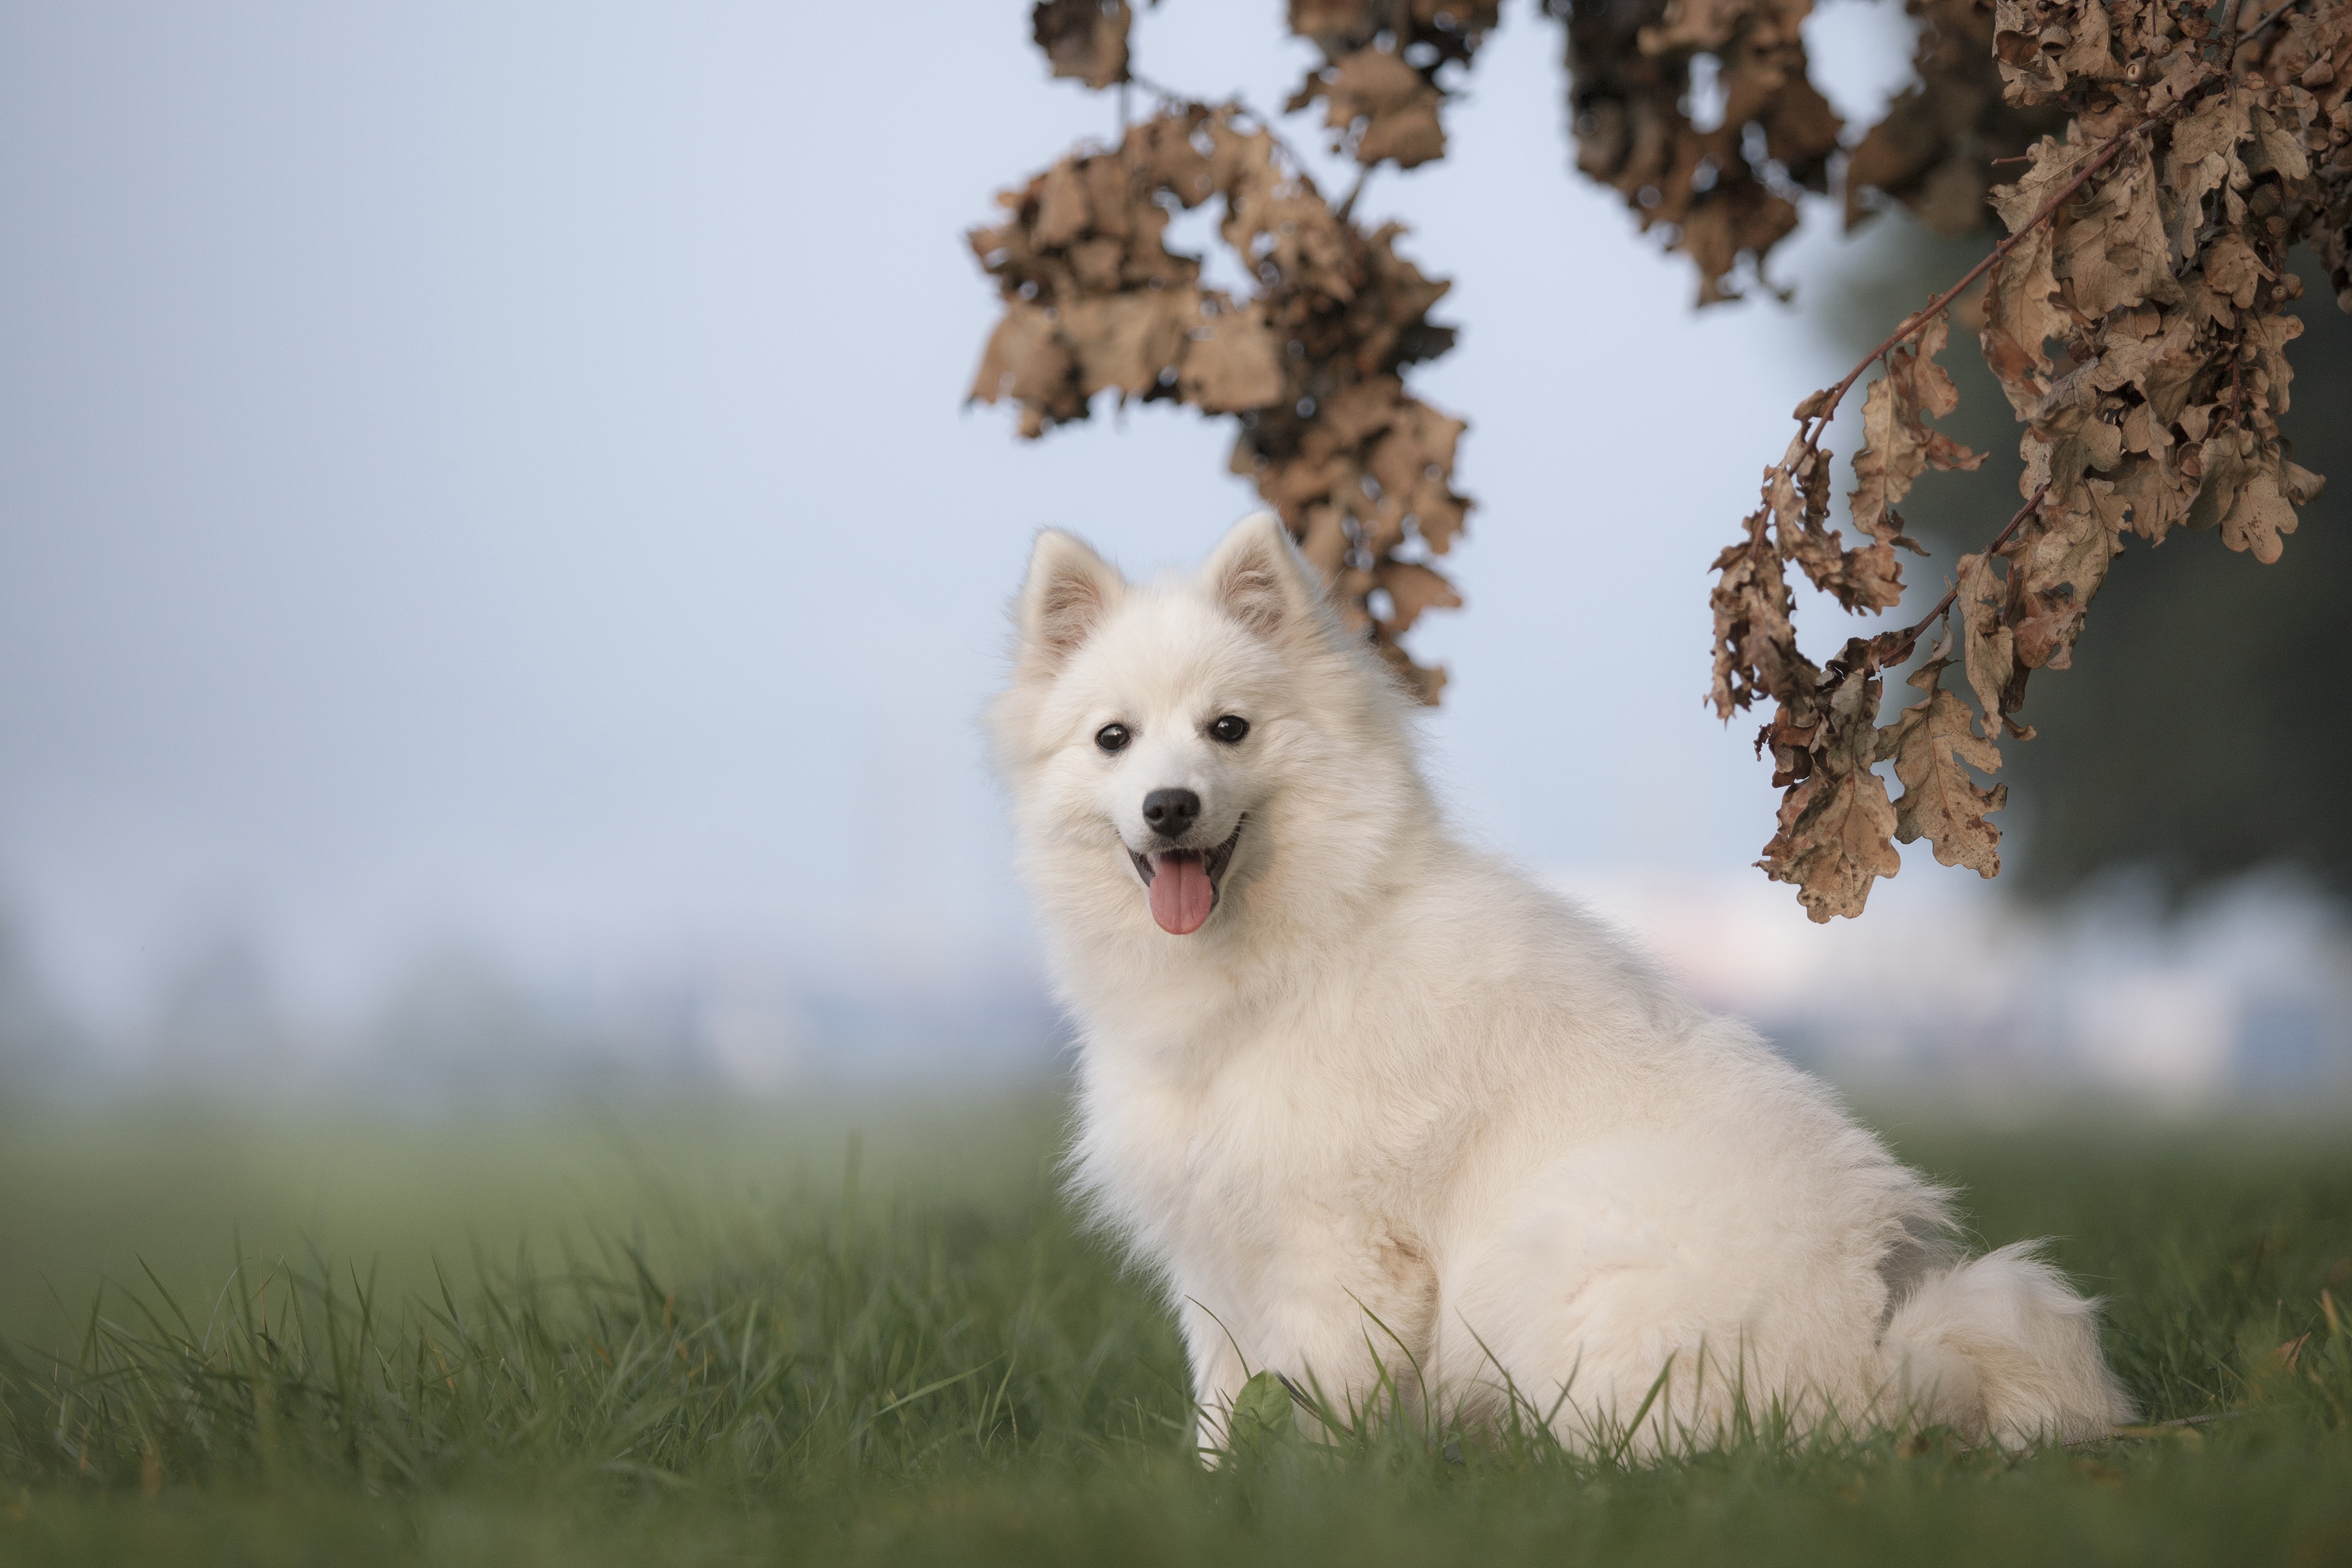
(1171, 812)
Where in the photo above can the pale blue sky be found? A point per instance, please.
(496, 472)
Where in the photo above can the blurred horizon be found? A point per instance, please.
(496, 585)
(2240, 997)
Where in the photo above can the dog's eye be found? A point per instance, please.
(1112, 737)
(1230, 728)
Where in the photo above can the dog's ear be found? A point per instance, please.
(1257, 577)
(1067, 593)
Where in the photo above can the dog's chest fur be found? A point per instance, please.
(1267, 1175)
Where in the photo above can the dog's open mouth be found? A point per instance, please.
(1185, 883)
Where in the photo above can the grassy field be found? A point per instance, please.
(870, 1333)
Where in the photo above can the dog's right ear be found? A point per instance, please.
(1067, 593)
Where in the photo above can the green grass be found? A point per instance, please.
(708, 1336)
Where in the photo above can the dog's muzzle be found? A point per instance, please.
(1184, 884)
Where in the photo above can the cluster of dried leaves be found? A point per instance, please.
(1935, 149)
(1377, 84)
(1310, 363)
(2135, 315)
(1645, 74)
(2147, 245)
(1718, 194)
(1083, 38)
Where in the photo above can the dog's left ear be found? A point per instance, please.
(1257, 577)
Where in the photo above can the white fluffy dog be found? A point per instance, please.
(1372, 1103)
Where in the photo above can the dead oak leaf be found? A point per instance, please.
(2233, 271)
(2203, 158)
(1412, 588)
(1027, 361)
(1833, 841)
(1381, 108)
(1125, 341)
(1929, 743)
(1234, 363)
(1085, 39)
(1755, 642)
(1063, 210)
(2251, 495)
(1898, 445)
(1836, 828)
(2112, 247)
(2060, 567)
(2158, 496)
(2021, 314)
(1989, 651)
(2266, 337)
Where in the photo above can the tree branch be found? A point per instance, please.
(2224, 33)
(2259, 29)
(1937, 305)
(1908, 639)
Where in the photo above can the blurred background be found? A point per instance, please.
(496, 584)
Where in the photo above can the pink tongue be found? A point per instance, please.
(1181, 895)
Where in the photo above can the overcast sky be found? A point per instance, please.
(497, 473)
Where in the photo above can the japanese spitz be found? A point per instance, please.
(1388, 1117)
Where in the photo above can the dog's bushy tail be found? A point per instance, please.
(2003, 1347)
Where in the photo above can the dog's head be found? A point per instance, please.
(1174, 743)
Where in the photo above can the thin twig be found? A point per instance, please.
(2229, 25)
(1937, 305)
(1168, 95)
(1910, 636)
(1348, 207)
(2259, 29)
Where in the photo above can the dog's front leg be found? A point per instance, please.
(1322, 1342)
(1218, 1372)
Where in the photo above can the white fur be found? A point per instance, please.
(1396, 1106)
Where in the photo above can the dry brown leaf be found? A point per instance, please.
(1719, 196)
(1379, 79)
(1310, 362)
(1987, 647)
(1935, 150)
(2234, 271)
(2059, 570)
(1444, 29)
(2137, 322)
(2112, 250)
(1755, 644)
(2159, 499)
(1379, 107)
(1027, 362)
(1126, 341)
(1898, 447)
(1411, 587)
(1063, 211)
(1233, 363)
(2251, 495)
(1932, 747)
(1836, 828)
(1083, 38)
(2021, 314)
